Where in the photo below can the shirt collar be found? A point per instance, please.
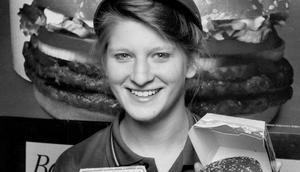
(125, 156)
(188, 156)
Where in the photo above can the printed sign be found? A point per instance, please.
(116, 169)
(40, 157)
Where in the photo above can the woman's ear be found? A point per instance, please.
(192, 67)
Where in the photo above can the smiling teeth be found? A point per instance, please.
(144, 93)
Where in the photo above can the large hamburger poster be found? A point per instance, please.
(245, 73)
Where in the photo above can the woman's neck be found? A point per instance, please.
(167, 133)
(162, 139)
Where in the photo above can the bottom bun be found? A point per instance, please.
(61, 110)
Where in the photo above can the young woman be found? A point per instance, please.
(148, 50)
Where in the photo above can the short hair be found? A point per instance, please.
(167, 20)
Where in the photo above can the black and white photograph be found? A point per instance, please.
(149, 86)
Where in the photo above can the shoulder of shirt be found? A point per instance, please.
(78, 155)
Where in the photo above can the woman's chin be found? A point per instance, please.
(142, 115)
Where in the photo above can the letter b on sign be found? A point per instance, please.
(42, 164)
(40, 157)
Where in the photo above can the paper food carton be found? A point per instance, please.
(216, 137)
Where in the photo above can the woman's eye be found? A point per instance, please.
(162, 56)
(122, 56)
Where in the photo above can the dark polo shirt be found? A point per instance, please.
(99, 150)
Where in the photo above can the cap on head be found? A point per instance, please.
(186, 7)
(191, 10)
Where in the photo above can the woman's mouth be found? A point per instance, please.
(144, 93)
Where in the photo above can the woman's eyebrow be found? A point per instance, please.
(114, 49)
(162, 48)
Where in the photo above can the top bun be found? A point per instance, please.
(240, 9)
(83, 9)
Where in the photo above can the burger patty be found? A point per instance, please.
(256, 77)
(82, 76)
(237, 69)
(265, 77)
(100, 102)
(251, 86)
(92, 101)
(236, 105)
(103, 103)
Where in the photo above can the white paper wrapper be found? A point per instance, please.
(17, 37)
(216, 137)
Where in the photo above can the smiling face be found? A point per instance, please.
(146, 72)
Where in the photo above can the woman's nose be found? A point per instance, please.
(141, 73)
